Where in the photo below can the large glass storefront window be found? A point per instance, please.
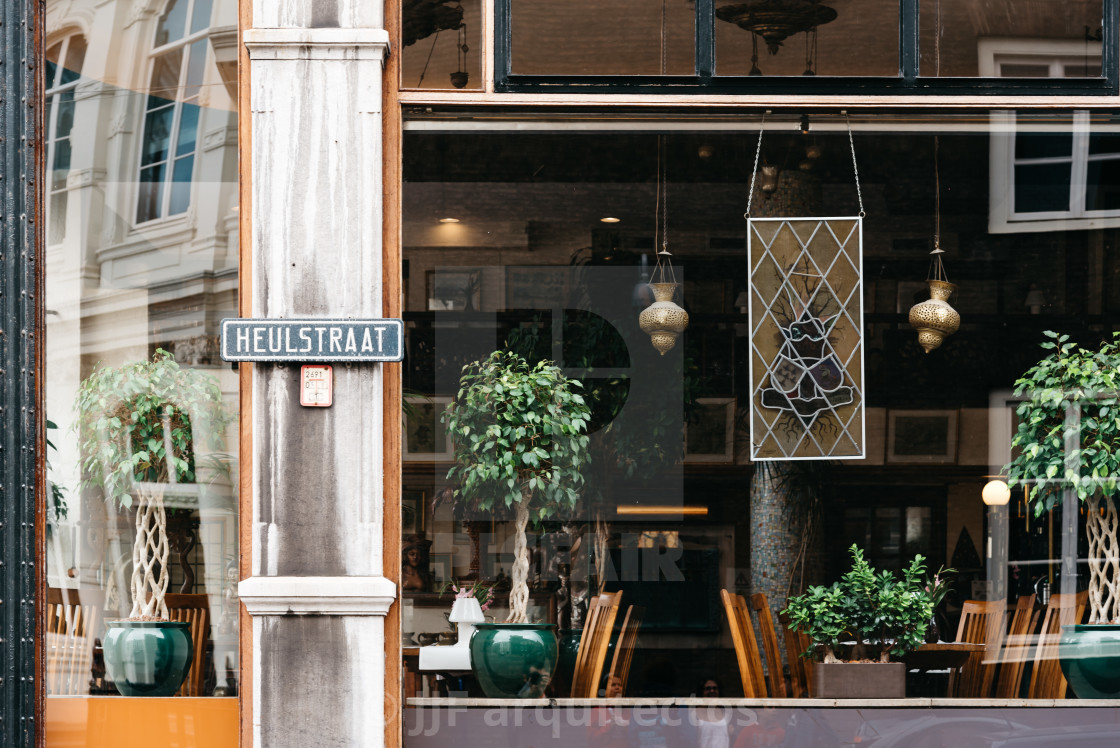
(543, 244)
(142, 262)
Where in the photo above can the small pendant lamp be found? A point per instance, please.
(663, 320)
(933, 318)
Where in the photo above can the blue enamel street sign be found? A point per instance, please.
(312, 340)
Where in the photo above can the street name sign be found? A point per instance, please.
(312, 340)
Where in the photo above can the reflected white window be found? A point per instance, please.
(178, 64)
(63, 71)
(1051, 175)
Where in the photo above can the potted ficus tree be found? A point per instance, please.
(520, 436)
(141, 426)
(857, 625)
(1067, 448)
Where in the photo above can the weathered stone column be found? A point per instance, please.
(317, 595)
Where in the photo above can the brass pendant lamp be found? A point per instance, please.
(933, 318)
(663, 320)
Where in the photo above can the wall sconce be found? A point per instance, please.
(768, 179)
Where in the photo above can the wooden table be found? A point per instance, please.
(942, 656)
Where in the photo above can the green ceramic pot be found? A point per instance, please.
(148, 658)
(1090, 657)
(514, 660)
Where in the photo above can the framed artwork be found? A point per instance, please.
(454, 289)
(441, 569)
(424, 437)
(412, 512)
(922, 436)
(806, 338)
(709, 434)
(537, 287)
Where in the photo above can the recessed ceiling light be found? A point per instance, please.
(610, 219)
(449, 220)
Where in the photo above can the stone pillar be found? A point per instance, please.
(317, 595)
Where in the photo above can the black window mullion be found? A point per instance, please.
(908, 33)
(1110, 41)
(705, 40)
(503, 43)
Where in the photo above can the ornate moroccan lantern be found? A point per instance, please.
(933, 318)
(663, 320)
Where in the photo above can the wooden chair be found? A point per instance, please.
(1047, 680)
(982, 622)
(800, 672)
(195, 610)
(593, 645)
(71, 629)
(1013, 658)
(770, 645)
(746, 646)
(624, 649)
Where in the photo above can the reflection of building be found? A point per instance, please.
(141, 253)
(356, 162)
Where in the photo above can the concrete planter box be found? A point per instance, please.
(859, 680)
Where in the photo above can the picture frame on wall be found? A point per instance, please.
(454, 289)
(441, 569)
(424, 437)
(922, 436)
(412, 512)
(709, 433)
(537, 287)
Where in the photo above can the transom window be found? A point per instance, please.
(171, 113)
(799, 46)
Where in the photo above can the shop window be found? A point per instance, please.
(63, 72)
(1047, 176)
(171, 110)
(147, 324)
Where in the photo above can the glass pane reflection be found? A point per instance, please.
(121, 288)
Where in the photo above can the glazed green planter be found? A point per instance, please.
(514, 660)
(148, 658)
(1090, 658)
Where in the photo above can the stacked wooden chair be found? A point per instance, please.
(757, 681)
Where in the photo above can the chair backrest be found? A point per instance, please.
(195, 610)
(770, 645)
(746, 646)
(71, 630)
(624, 649)
(981, 623)
(1047, 680)
(800, 674)
(1013, 658)
(593, 644)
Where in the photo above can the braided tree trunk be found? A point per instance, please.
(149, 554)
(519, 574)
(1104, 560)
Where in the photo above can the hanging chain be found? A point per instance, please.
(936, 194)
(855, 166)
(661, 213)
(754, 172)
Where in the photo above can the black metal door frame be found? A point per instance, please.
(21, 421)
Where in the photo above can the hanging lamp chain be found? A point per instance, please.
(754, 171)
(855, 165)
(661, 216)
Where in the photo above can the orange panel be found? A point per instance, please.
(119, 722)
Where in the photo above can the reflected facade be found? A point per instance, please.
(141, 263)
